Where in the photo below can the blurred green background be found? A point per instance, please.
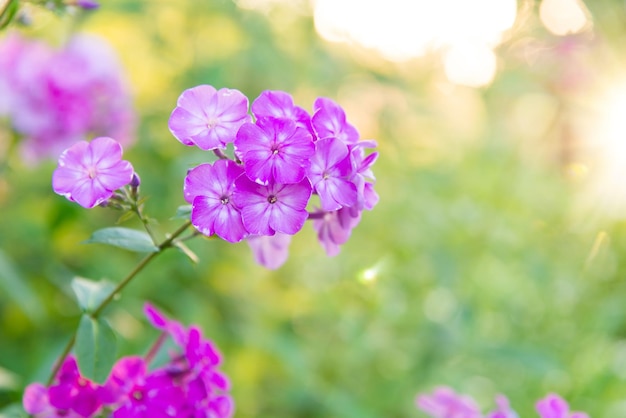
(494, 262)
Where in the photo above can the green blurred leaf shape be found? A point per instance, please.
(128, 239)
(18, 289)
(183, 212)
(90, 293)
(95, 348)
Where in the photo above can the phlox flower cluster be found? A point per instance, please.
(444, 402)
(282, 156)
(189, 385)
(53, 98)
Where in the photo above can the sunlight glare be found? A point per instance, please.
(470, 64)
(400, 30)
(611, 158)
(562, 17)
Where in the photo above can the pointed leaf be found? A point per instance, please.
(89, 293)
(182, 212)
(17, 288)
(95, 348)
(129, 239)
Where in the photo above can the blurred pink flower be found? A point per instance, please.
(54, 98)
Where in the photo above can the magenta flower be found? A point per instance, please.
(274, 150)
(503, 409)
(329, 173)
(74, 392)
(209, 187)
(36, 402)
(329, 121)
(208, 118)
(273, 208)
(132, 392)
(270, 251)
(334, 228)
(279, 104)
(89, 172)
(445, 403)
(553, 406)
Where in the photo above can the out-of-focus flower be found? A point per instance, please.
(190, 384)
(270, 251)
(89, 172)
(446, 403)
(553, 406)
(503, 409)
(334, 228)
(71, 396)
(208, 118)
(54, 98)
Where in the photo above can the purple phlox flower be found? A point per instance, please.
(209, 118)
(330, 173)
(553, 406)
(329, 121)
(334, 228)
(209, 188)
(36, 402)
(503, 409)
(74, 392)
(445, 403)
(89, 172)
(367, 196)
(274, 150)
(279, 104)
(137, 394)
(273, 208)
(270, 251)
(174, 328)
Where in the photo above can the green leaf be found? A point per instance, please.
(129, 239)
(18, 288)
(183, 212)
(89, 293)
(95, 348)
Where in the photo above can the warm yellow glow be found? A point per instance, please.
(563, 17)
(369, 275)
(470, 64)
(609, 143)
(403, 29)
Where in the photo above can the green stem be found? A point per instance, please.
(167, 243)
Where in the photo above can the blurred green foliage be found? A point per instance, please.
(486, 265)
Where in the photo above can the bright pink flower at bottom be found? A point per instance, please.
(445, 403)
(504, 409)
(553, 406)
(89, 172)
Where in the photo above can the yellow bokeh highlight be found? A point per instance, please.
(563, 17)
